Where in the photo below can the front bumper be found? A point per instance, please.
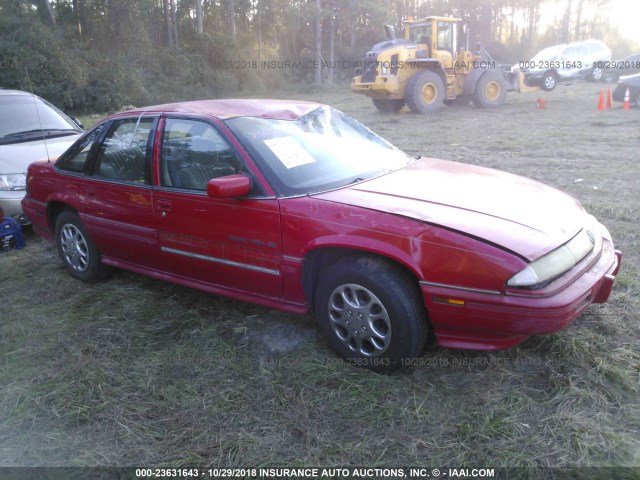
(482, 320)
(11, 206)
(384, 87)
(534, 77)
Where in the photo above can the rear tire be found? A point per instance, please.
(425, 92)
(389, 106)
(371, 313)
(76, 249)
(490, 91)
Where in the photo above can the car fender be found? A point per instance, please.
(364, 245)
(329, 249)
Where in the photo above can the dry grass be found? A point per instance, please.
(134, 371)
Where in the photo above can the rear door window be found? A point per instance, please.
(123, 153)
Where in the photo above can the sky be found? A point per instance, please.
(626, 14)
(623, 15)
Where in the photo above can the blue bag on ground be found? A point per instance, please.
(10, 234)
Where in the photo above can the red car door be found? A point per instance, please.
(233, 243)
(116, 197)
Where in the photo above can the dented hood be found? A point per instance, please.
(521, 215)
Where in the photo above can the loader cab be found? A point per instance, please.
(436, 37)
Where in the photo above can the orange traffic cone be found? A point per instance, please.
(601, 102)
(609, 99)
(625, 105)
(542, 104)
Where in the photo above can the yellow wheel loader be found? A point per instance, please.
(427, 68)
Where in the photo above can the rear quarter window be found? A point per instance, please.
(74, 159)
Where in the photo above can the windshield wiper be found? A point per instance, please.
(32, 135)
(355, 180)
(45, 132)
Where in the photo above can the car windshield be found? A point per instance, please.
(323, 150)
(26, 118)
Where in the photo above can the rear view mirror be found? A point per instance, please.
(230, 186)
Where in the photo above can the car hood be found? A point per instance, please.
(16, 157)
(516, 213)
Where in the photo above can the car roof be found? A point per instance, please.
(590, 41)
(554, 48)
(229, 108)
(13, 92)
(564, 46)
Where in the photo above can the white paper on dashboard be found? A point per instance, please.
(289, 151)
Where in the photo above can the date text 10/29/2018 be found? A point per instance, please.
(329, 473)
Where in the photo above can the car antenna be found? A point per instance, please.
(35, 104)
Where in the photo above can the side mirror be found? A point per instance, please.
(230, 186)
(77, 122)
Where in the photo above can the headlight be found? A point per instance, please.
(13, 181)
(559, 261)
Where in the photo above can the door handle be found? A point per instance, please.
(164, 207)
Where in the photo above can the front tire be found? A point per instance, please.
(425, 92)
(490, 91)
(76, 249)
(549, 81)
(371, 313)
(389, 106)
(595, 75)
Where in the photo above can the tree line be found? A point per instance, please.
(97, 55)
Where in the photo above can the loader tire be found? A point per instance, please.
(389, 106)
(490, 91)
(425, 92)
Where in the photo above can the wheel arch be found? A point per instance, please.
(54, 209)
(428, 64)
(324, 255)
(472, 79)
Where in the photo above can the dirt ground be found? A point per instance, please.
(134, 371)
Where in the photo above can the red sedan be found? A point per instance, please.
(296, 206)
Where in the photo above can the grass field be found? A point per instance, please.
(134, 371)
